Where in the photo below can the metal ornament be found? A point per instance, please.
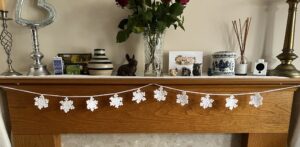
(286, 68)
(37, 68)
(6, 41)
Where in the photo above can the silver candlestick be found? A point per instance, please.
(6, 41)
(37, 68)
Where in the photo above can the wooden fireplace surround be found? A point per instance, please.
(263, 127)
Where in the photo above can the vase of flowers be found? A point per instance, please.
(151, 18)
(153, 53)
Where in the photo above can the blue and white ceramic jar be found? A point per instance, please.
(223, 63)
(100, 64)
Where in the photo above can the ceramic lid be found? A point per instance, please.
(224, 53)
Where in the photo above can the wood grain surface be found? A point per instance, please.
(266, 126)
(268, 140)
(36, 141)
(150, 116)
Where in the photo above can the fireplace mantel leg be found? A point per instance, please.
(267, 140)
(36, 141)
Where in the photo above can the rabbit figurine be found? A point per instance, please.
(128, 69)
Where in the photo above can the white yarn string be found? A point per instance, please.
(121, 92)
(134, 89)
(79, 96)
(236, 94)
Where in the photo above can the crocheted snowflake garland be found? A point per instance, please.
(41, 102)
(116, 101)
(160, 94)
(256, 100)
(66, 105)
(231, 102)
(182, 98)
(92, 104)
(139, 96)
(206, 102)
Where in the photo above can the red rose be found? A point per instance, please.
(182, 2)
(122, 3)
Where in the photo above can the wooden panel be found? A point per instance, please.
(267, 140)
(36, 141)
(150, 116)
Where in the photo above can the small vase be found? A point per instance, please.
(241, 66)
(100, 64)
(153, 53)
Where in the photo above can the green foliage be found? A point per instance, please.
(150, 16)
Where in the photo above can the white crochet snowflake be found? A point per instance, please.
(92, 104)
(139, 96)
(231, 102)
(182, 99)
(256, 100)
(206, 102)
(41, 102)
(160, 94)
(116, 101)
(66, 105)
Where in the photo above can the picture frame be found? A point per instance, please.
(185, 63)
(78, 61)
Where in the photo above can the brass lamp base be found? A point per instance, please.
(285, 70)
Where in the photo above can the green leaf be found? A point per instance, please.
(161, 26)
(132, 20)
(148, 16)
(148, 3)
(123, 23)
(169, 20)
(138, 29)
(140, 10)
(122, 36)
(175, 26)
(176, 9)
(180, 25)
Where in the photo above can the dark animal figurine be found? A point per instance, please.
(197, 71)
(186, 71)
(128, 69)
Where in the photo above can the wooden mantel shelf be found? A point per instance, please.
(204, 80)
(266, 126)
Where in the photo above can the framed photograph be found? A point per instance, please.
(185, 63)
(75, 61)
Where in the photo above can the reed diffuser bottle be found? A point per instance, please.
(241, 32)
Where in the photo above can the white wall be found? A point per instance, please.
(84, 25)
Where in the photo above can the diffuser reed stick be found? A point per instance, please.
(241, 32)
